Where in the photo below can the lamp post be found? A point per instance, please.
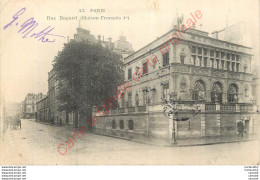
(173, 133)
(173, 97)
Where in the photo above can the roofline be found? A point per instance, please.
(187, 32)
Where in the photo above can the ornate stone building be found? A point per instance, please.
(51, 114)
(195, 70)
(29, 105)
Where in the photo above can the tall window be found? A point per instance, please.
(194, 60)
(136, 99)
(228, 56)
(212, 53)
(144, 96)
(232, 93)
(222, 55)
(212, 62)
(245, 68)
(237, 57)
(205, 61)
(113, 124)
(199, 50)
(166, 59)
(166, 95)
(182, 59)
(222, 64)
(145, 67)
(205, 52)
(217, 54)
(121, 124)
(233, 57)
(193, 49)
(123, 100)
(199, 91)
(130, 99)
(228, 66)
(129, 73)
(131, 125)
(216, 92)
(246, 92)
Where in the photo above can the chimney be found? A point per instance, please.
(215, 34)
(99, 38)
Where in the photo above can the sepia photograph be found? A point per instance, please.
(134, 82)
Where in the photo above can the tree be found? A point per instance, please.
(87, 74)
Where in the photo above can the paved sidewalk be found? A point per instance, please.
(197, 141)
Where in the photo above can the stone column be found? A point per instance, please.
(170, 127)
(218, 124)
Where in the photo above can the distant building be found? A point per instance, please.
(42, 110)
(29, 105)
(121, 47)
(13, 109)
(52, 99)
(84, 35)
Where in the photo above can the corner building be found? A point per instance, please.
(200, 70)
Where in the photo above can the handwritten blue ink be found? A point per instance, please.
(29, 25)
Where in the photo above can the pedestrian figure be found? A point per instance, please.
(240, 128)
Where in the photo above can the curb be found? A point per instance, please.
(181, 145)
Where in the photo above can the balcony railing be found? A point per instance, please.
(131, 109)
(141, 108)
(228, 107)
(121, 110)
(210, 107)
(246, 108)
(205, 107)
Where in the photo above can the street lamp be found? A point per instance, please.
(173, 134)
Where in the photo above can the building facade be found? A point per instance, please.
(54, 116)
(42, 109)
(193, 70)
(29, 105)
(13, 109)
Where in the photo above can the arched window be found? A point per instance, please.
(216, 92)
(121, 124)
(136, 99)
(131, 125)
(113, 124)
(232, 93)
(199, 91)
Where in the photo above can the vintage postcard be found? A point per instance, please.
(134, 82)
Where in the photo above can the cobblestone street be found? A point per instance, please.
(37, 143)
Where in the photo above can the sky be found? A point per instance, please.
(25, 62)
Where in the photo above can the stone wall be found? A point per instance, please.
(156, 124)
